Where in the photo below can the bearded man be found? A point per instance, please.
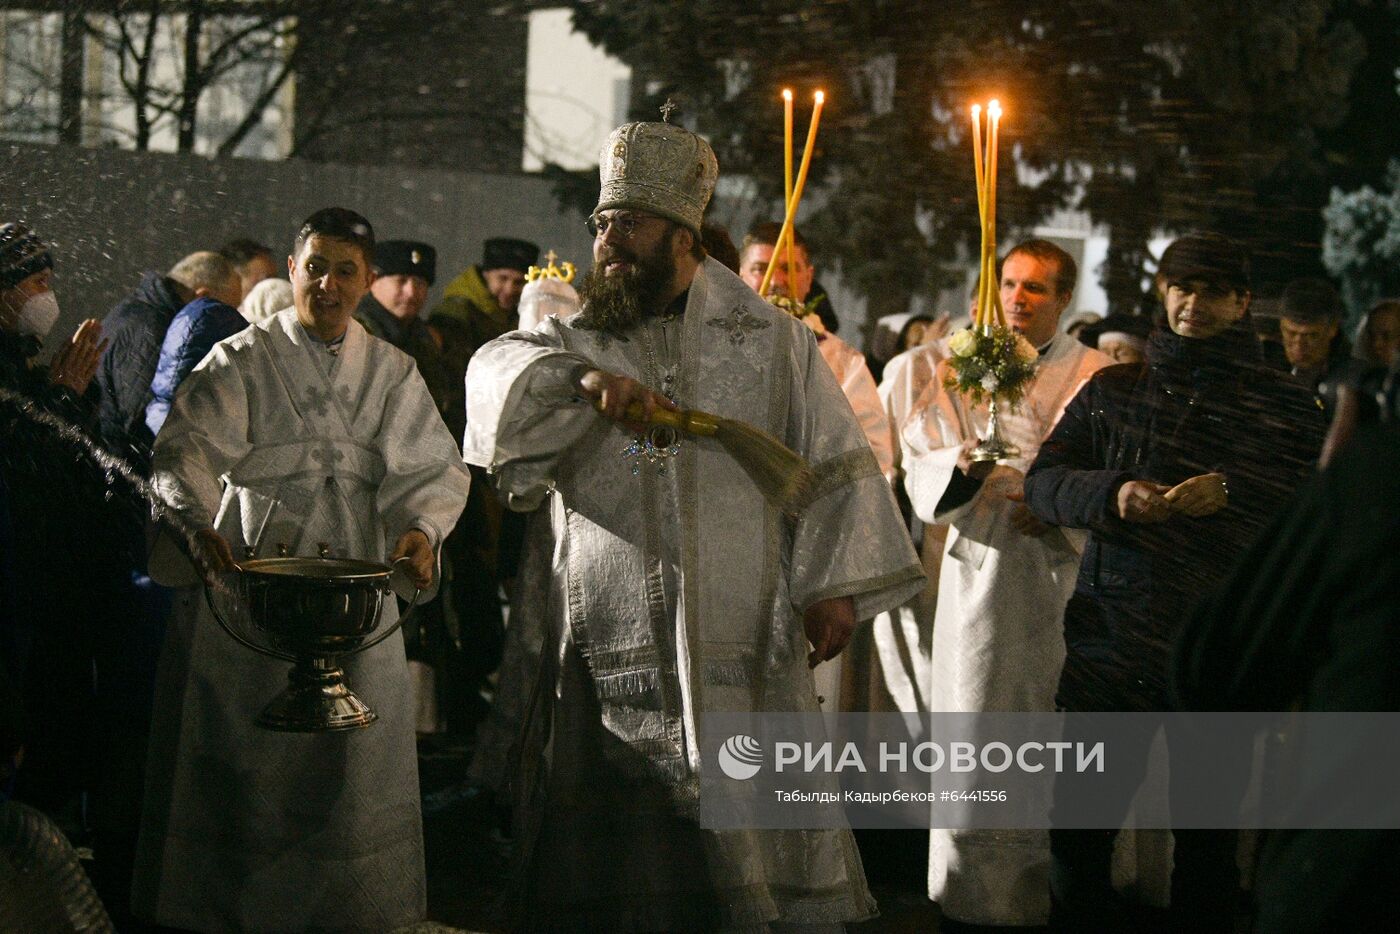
(676, 588)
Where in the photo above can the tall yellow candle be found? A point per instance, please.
(786, 233)
(787, 189)
(977, 160)
(993, 134)
(787, 147)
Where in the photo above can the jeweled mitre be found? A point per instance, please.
(660, 168)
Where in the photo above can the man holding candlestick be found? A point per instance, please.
(1173, 467)
(1004, 578)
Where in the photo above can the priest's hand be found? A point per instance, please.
(1143, 502)
(414, 546)
(212, 554)
(829, 624)
(614, 393)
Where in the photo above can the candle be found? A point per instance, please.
(993, 133)
(787, 188)
(788, 222)
(980, 310)
(977, 160)
(787, 146)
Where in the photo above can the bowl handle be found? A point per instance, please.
(412, 605)
(239, 637)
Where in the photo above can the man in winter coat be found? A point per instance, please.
(196, 329)
(480, 304)
(1174, 467)
(404, 270)
(135, 328)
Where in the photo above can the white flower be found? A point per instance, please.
(989, 382)
(963, 343)
(1025, 351)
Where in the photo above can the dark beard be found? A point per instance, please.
(617, 304)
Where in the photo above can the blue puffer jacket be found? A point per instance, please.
(134, 329)
(196, 329)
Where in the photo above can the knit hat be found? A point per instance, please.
(658, 168)
(405, 258)
(509, 253)
(22, 254)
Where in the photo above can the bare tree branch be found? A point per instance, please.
(255, 111)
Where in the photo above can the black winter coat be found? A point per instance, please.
(1197, 406)
(134, 329)
(65, 564)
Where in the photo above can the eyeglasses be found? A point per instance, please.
(625, 225)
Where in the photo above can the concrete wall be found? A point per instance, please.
(109, 214)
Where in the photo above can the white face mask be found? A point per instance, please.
(38, 314)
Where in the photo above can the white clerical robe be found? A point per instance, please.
(677, 590)
(998, 642)
(274, 441)
(888, 662)
(848, 365)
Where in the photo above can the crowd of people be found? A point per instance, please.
(509, 448)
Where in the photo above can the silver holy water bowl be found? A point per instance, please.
(311, 612)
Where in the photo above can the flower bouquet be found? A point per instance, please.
(996, 363)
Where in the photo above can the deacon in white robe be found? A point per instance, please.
(678, 589)
(997, 641)
(281, 437)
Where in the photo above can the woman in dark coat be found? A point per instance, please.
(1174, 466)
(68, 614)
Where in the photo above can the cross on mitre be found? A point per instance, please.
(667, 109)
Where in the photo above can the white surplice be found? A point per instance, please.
(274, 441)
(858, 386)
(677, 590)
(893, 673)
(998, 642)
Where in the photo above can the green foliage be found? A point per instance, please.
(1362, 243)
(998, 363)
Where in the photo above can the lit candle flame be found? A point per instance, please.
(787, 94)
(994, 109)
(820, 97)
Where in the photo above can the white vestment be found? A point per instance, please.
(848, 364)
(998, 643)
(677, 589)
(889, 660)
(273, 441)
